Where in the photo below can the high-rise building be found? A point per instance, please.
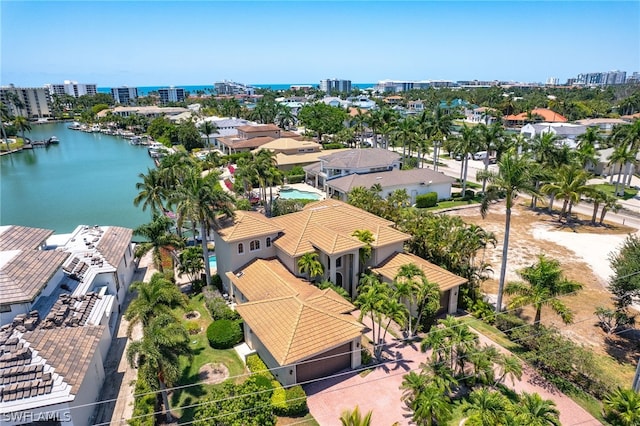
(335, 85)
(227, 87)
(72, 88)
(601, 78)
(29, 102)
(171, 94)
(553, 81)
(124, 95)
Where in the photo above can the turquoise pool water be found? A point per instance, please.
(295, 194)
(213, 266)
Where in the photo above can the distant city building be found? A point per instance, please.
(335, 85)
(227, 87)
(477, 83)
(124, 95)
(72, 88)
(29, 102)
(601, 78)
(553, 81)
(171, 94)
(634, 78)
(395, 86)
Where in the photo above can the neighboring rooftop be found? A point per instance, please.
(360, 158)
(247, 224)
(14, 237)
(258, 128)
(390, 178)
(546, 114)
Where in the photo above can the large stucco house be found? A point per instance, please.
(257, 260)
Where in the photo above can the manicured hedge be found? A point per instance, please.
(144, 406)
(224, 334)
(257, 366)
(290, 402)
(430, 199)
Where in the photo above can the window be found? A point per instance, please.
(5, 308)
(254, 245)
(240, 248)
(339, 262)
(268, 241)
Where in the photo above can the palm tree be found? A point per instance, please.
(532, 410)
(310, 265)
(622, 155)
(597, 197)
(485, 408)
(364, 236)
(587, 142)
(570, 185)
(512, 178)
(158, 353)
(609, 203)
(156, 235)
(413, 287)
(544, 283)
(201, 200)
(622, 407)
(22, 125)
(355, 418)
(487, 139)
(509, 365)
(208, 128)
(5, 115)
(154, 298)
(431, 407)
(466, 145)
(152, 193)
(373, 298)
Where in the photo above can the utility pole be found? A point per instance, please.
(636, 379)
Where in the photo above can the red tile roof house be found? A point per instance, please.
(547, 115)
(52, 356)
(300, 331)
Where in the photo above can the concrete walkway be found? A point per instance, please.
(118, 387)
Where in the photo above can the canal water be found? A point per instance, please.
(86, 179)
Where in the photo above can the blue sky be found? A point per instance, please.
(199, 42)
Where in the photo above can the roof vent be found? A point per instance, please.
(239, 274)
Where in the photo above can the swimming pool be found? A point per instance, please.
(295, 194)
(213, 266)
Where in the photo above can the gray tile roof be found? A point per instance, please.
(389, 179)
(360, 158)
(23, 238)
(114, 243)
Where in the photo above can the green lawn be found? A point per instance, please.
(203, 354)
(470, 185)
(453, 203)
(16, 144)
(610, 189)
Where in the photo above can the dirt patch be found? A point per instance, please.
(583, 252)
(192, 315)
(212, 374)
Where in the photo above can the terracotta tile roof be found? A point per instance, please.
(23, 238)
(320, 224)
(236, 143)
(263, 279)
(247, 224)
(547, 114)
(69, 350)
(289, 143)
(435, 274)
(114, 243)
(27, 273)
(360, 158)
(293, 330)
(353, 112)
(389, 178)
(259, 128)
(292, 135)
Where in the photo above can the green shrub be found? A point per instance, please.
(279, 400)
(508, 323)
(341, 291)
(219, 309)
(290, 402)
(295, 171)
(455, 195)
(295, 178)
(216, 281)
(469, 194)
(224, 334)
(365, 356)
(333, 146)
(257, 366)
(430, 199)
(144, 406)
(192, 327)
(243, 204)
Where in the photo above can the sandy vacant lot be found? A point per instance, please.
(582, 250)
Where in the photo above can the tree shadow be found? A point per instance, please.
(194, 390)
(624, 346)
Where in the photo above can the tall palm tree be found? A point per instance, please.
(512, 178)
(355, 418)
(622, 406)
(532, 410)
(431, 407)
(487, 139)
(152, 193)
(622, 154)
(509, 365)
(609, 203)
(156, 235)
(570, 184)
(586, 149)
(310, 265)
(208, 128)
(544, 283)
(5, 115)
(22, 125)
(466, 144)
(413, 384)
(485, 408)
(413, 288)
(373, 297)
(154, 298)
(157, 354)
(364, 236)
(201, 200)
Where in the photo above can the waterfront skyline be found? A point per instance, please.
(190, 43)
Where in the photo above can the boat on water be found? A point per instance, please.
(75, 126)
(54, 139)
